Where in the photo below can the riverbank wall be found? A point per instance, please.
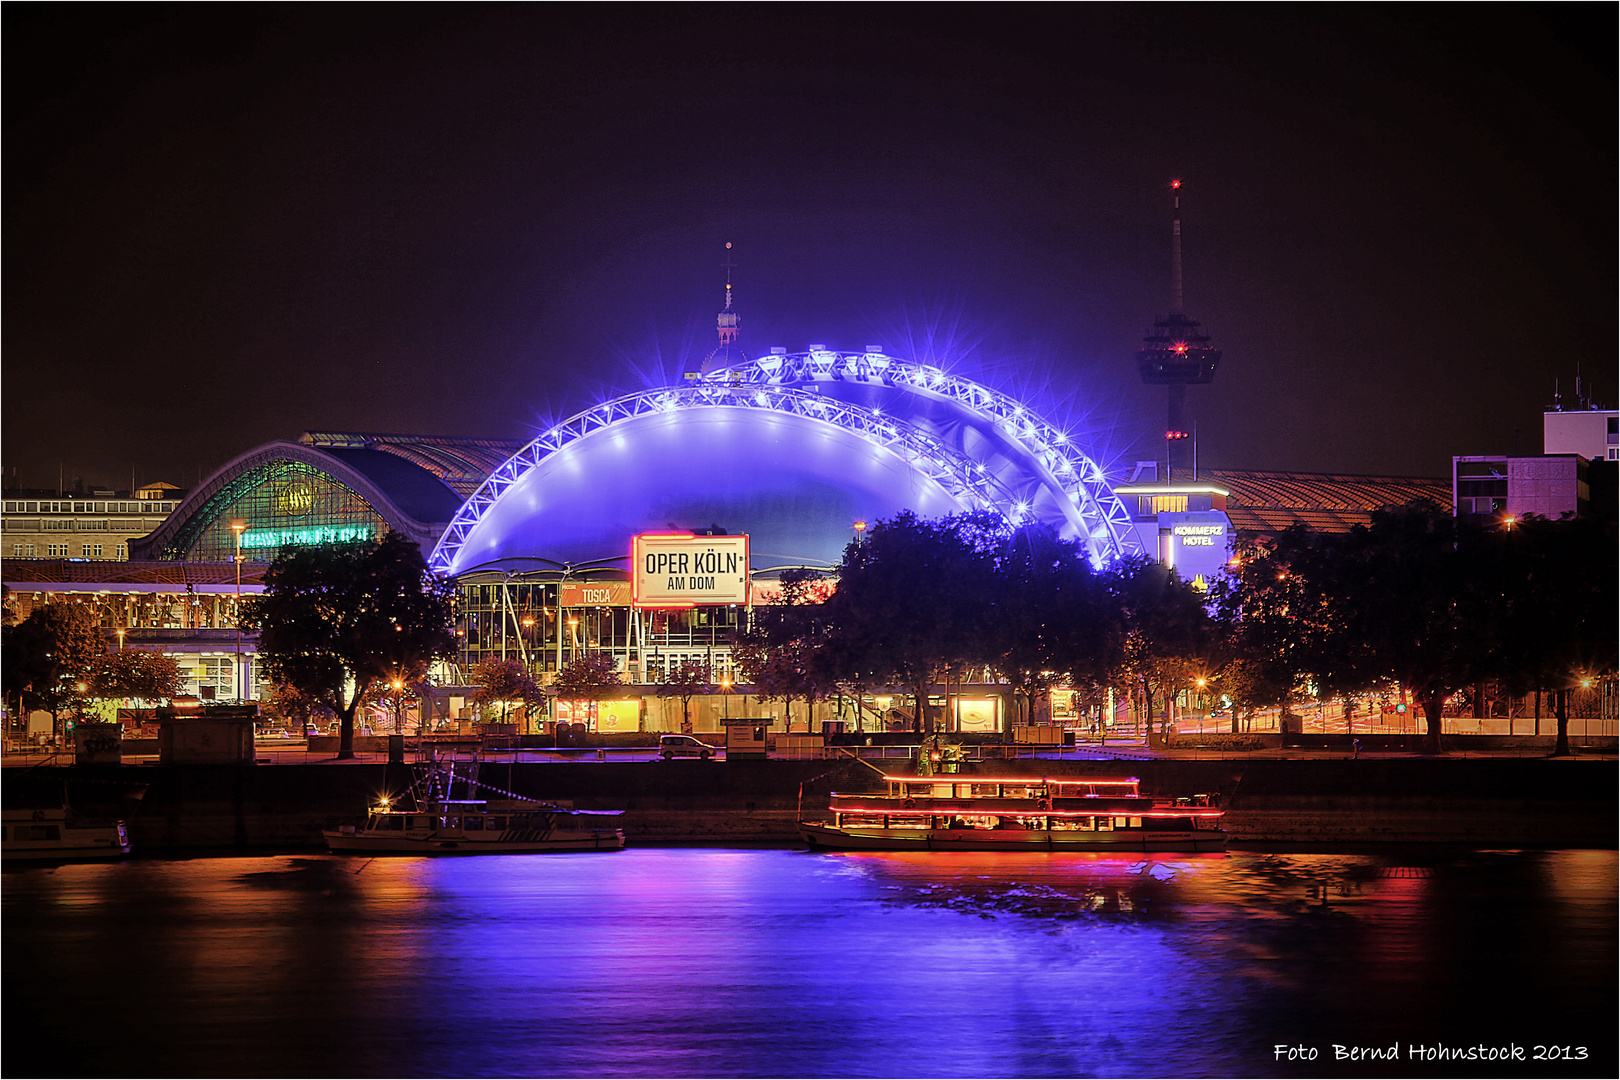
(1478, 802)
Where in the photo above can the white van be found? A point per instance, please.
(674, 746)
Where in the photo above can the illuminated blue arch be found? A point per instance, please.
(1029, 446)
(988, 453)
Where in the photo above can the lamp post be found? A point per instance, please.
(399, 703)
(237, 527)
(121, 632)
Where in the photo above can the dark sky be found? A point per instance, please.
(229, 224)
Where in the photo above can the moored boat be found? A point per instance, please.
(57, 832)
(478, 827)
(1015, 813)
(440, 823)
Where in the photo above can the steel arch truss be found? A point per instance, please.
(1098, 514)
(967, 481)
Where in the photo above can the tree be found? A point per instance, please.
(1282, 622)
(913, 599)
(138, 675)
(504, 681)
(1048, 620)
(781, 651)
(1411, 607)
(1164, 631)
(1410, 599)
(336, 622)
(288, 703)
(52, 658)
(1558, 580)
(685, 681)
(589, 678)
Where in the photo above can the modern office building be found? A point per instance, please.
(1498, 486)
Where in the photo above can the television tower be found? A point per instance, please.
(1177, 355)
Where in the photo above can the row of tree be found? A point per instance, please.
(1418, 599)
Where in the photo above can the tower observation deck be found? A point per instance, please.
(1177, 355)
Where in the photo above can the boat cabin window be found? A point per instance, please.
(1022, 791)
(984, 791)
(1105, 824)
(1073, 824)
(975, 821)
(907, 821)
(862, 821)
(39, 832)
(474, 823)
(452, 821)
(497, 822)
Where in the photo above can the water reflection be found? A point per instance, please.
(659, 962)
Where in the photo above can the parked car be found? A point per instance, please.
(674, 746)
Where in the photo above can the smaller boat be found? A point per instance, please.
(439, 824)
(478, 827)
(58, 832)
(957, 812)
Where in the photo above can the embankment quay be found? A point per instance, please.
(1478, 801)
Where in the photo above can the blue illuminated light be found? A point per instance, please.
(917, 418)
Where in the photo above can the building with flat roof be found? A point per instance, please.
(1592, 433)
(96, 525)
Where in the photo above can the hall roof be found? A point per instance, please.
(461, 464)
(1269, 502)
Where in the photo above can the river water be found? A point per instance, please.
(777, 963)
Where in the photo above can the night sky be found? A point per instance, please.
(226, 225)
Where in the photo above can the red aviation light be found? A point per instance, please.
(1181, 347)
(1175, 184)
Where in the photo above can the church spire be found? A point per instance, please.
(728, 323)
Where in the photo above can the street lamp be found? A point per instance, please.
(399, 703)
(237, 527)
(121, 633)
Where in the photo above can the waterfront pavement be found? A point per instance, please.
(295, 753)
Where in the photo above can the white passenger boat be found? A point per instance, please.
(1015, 813)
(57, 832)
(441, 823)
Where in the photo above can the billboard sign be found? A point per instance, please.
(617, 715)
(596, 594)
(684, 570)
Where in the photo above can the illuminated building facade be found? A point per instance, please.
(326, 488)
(95, 525)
